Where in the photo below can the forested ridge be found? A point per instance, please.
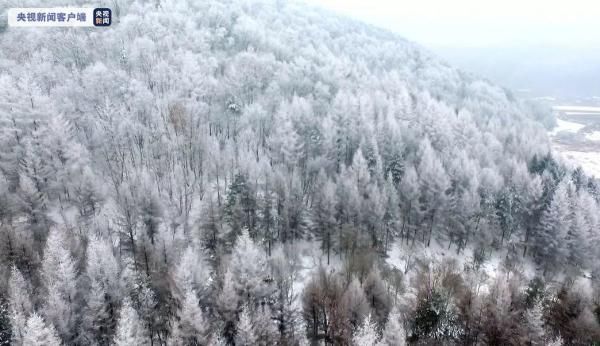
(255, 172)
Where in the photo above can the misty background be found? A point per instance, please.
(536, 48)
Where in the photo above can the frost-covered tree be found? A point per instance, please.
(191, 327)
(20, 306)
(102, 294)
(434, 183)
(191, 273)
(227, 304)
(248, 267)
(574, 239)
(391, 214)
(130, 329)
(324, 214)
(96, 318)
(59, 273)
(393, 332)
(217, 340)
(5, 325)
(102, 266)
(355, 301)
(37, 332)
(245, 334)
(125, 177)
(377, 295)
(409, 200)
(535, 325)
(367, 333)
(556, 342)
(265, 326)
(554, 226)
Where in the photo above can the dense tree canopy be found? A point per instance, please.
(158, 176)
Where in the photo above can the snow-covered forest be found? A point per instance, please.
(256, 172)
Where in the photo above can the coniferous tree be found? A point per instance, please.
(37, 332)
(266, 332)
(60, 280)
(20, 306)
(248, 267)
(96, 317)
(554, 226)
(367, 333)
(434, 184)
(191, 273)
(131, 190)
(191, 327)
(5, 325)
(324, 215)
(535, 325)
(409, 200)
(245, 334)
(130, 329)
(393, 333)
(227, 305)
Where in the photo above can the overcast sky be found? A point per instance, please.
(475, 23)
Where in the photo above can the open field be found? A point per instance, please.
(576, 139)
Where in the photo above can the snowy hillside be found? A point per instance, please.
(247, 172)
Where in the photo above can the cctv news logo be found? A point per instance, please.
(59, 17)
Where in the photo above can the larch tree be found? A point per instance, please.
(20, 306)
(59, 273)
(248, 266)
(37, 332)
(434, 183)
(391, 214)
(265, 326)
(366, 334)
(130, 329)
(227, 304)
(127, 180)
(103, 294)
(191, 273)
(97, 317)
(535, 325)
(377, 295)
(408, 192)
(574, 239)
(323, 212)
(245, 334)
(190, 327)
(556, 342)
(5, 325)
(217, 340)
(355, 302)
(554, 226)
(393, 332)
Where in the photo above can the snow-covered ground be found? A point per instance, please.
(587, 159)
(399, 254)
(310, 258)
(567, 126)
(577, 109)
(594, 136)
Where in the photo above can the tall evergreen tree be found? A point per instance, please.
(38, 333)
(130, 329)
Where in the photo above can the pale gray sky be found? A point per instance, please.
(480, 22)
